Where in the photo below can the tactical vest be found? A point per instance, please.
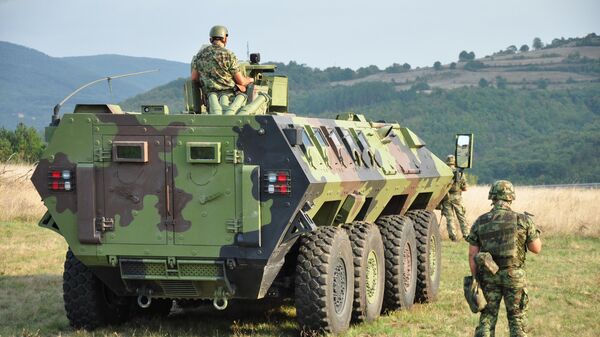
(455, 188)
(499, 236)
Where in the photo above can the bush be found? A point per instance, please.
(474, 65)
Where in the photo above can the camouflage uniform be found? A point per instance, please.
(505, 235)
(452, 204)
(216, 65)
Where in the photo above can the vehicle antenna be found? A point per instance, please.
(55, 115)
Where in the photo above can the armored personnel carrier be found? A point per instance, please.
(242, 200)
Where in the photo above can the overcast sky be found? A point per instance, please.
(323, 33)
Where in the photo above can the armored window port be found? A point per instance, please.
(130, 151)
(203, 152)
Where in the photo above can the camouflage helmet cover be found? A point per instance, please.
(218, 31)
(450, 160)
(502, 190)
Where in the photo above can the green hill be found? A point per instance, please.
(31, 82)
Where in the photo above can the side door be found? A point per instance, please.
(135, 193)
(204, 200)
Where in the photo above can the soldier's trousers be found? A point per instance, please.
(510, 285)
(451, 206)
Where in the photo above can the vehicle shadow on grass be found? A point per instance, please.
(241, 318)
(33, 305)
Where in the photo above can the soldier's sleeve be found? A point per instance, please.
(473, 237)
(532, 232)
(234, 67)
(193, 64)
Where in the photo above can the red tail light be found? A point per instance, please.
(60, 180)
(278, 182)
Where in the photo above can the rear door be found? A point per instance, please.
(204, 199)
(135, 191)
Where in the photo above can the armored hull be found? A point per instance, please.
(253, 204)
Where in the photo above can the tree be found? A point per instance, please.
(406, 66)
(501, 82)
(471, 56)
(542, 83)
(537, 43)
(463, 56)
(437, 65)
(453, 65)
(524, 48)
(24, 141)
(483, 83)
(474, 65)
(511, 49)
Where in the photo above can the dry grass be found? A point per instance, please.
(18, 198)
(557, 211)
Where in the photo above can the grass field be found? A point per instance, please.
(564, 280)
(564, 283)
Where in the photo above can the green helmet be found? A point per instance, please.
(450, 160)
(218, 31)
(502, 190)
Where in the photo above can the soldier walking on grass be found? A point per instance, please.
(506, 236)
(452, 202)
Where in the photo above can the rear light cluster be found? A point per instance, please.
(278, 182)
(60, 180)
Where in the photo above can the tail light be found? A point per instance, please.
(278, 182)
(60, 180)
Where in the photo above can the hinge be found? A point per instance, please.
(101, 154)
(233, 225)
(233, 156)
(104, 224)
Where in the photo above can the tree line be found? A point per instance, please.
(23, 144)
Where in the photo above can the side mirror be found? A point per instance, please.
(464, 150)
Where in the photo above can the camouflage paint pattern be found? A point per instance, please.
(190, 215)
(505, 235)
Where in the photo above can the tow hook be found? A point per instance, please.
(144, 300)
(220, 300)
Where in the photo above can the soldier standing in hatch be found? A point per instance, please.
(452, 202)
(216, 67)
(506, 236)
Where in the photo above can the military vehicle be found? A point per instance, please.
(241, 201)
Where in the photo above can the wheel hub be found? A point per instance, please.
(407, 256)
(432, 257)
(371, 277)
(339, 286)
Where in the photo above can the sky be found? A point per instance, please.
(324, 33)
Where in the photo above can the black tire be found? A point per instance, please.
(400, 246)
(88, 302)
(367, 247)
(324, 280)
(429, 255)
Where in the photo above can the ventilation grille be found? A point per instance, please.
(139, 269)
(175, 289)
(200, 270)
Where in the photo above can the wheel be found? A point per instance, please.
(88, 302)
(369, 270)
(429, 255)
(400, 246)
(324, 280)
